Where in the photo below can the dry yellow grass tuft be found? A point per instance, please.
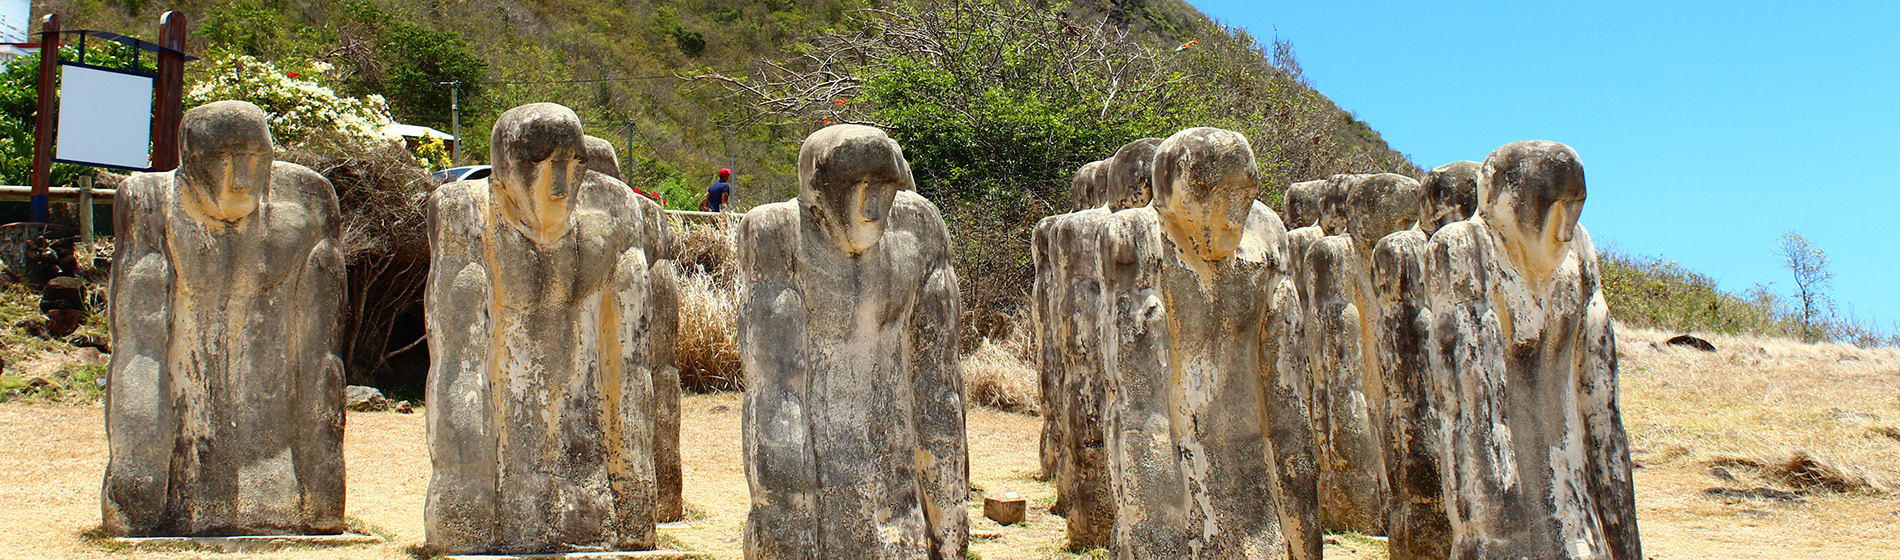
(999, 375)
(706, 353)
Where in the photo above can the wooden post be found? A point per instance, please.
(168, 102)
(42, 179)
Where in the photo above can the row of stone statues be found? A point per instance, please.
(1433, 362)
(1217, 386)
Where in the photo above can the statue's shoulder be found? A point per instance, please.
(912, 209)
(295, 184)
(1262, 220)
(769, 217)
(1401, 241)
(145, 188)
(458, 201)
(608, 193)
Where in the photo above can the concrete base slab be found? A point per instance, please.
(618, 555)
(253, 543)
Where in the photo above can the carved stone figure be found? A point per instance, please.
(1415, 520)
(1129, 174)
(1523, 347)
(542, 304)
(602, 159)
(1086, 190)
(1202, 406)
(1449, 194)
(1074, 321)
(854, 434)
(225, 411)
(1301, 207)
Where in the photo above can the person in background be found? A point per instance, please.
(718, 194)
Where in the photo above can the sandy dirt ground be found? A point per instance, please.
(52, 458)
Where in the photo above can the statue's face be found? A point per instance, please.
(225, 159)
(1131, 174)
(1205, 181)
(540, 159)
(1331, 204)
(1532, 193)
(848, 175)
(1450, 194)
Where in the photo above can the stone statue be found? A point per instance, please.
(1523, 347)
(1202, 408)
(1302, 204)
(225, 411)
(602, 159)
(1085, 191)
(543, 307)
(854, 434)
(668, 505)
(1073, 317)
(1449, 194)
(1415, 520)
(1129, 174)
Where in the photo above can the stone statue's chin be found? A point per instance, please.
(537, 214)
(218, 200)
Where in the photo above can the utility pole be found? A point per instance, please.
(627, 170)
(455, 121)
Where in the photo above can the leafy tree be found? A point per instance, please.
(1809, 265)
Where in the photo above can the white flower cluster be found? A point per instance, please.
(300, 109)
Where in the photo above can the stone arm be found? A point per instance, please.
(141, 425)
(1043, 300)
(781, 465)
(318, 303)
(937, 383)
(462, 417)
(628, 383)
(1285, 414)
(1609, 468)
(663, 339)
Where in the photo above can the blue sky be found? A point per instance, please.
(1707, 129)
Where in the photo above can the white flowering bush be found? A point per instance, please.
(300, 108)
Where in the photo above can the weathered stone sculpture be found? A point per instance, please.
(1086, 190)
(1074, 321)
(1129, 175)
(1415, 521)
(542, 324)
(1449, 194)
(1203, 410)
(225, 411)
(854, 434)
(1523, 347)
(668, 504)
(1301, 207)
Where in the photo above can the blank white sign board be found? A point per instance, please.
(105, 118)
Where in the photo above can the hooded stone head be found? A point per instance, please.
(1449, 194)
(1205, 180)
(225, 160)
(1379, 205)
(601, 157)
(848, 175)
(1084, 191)
(540, 161)
(1301, 208)
(1131, 174)
(1531, 193)
(1332, 203)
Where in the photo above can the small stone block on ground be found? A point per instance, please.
(616, 555)
(1007, 511)
(248, 544)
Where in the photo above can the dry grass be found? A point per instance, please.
(1000, 375)
(706, 355)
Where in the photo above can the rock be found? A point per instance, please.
(1524, 351)
(1205, 365)
(63, 292)
(176, 289)
(1758, 493)
(831, 475)
(37, 382)
(1690, 342)
(358, 398)
(35, 326)
(62, 322)
(541, 394)
(403, 407)
(1721, 474)
(1007, 511)
(90, 340)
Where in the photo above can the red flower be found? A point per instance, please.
(290, 74)
(839, 101)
